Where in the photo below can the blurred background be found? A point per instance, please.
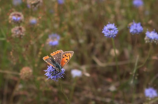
(76, 25)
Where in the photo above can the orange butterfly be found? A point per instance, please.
(59, 60)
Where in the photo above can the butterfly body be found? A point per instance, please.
(56, 65)
(59, 59)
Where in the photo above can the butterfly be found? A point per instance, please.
(59, 59)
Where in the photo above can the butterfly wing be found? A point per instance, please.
(47, 59)
(57, 56)
(66, 56)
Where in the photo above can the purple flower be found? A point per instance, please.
(51, 73)
(61, 1)
(150, 92)
(53, 43)
(137, 3)
(54, 36)
(16, 17)
(53, 40)
(76, 73)
(16, 2)
(110, 31)
(136, 28)
(33, 21)
(151, 37)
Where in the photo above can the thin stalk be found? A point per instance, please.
(135, 69)
(12, 95)
(116, 61)
(134, 73)
(67, 100)
(146, 57)
(73, 87)
(118, 72)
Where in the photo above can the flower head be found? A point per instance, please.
(110, 30)
(53, 40)
(18, 31)
(76, 73)
(151, 37)
(33, 21)
(16, 2)
(53, 43)
(51, 73)
(26, 73)
(16, 17)
(34, 4)
(135, 28)
(61, 1)
(137, 3)
(150, 92)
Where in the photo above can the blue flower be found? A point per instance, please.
(76, 73)
(53, 40)
(33, 21)
(53, 43)
(151, 37)
(15, 18)
(150, 92)
(110, 30)
(16, 2)
(136, 28)
(51, 73)
(54, 36)
(137, 3)
(61, 1)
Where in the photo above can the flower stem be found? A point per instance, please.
(67, 100)
(146, 57)
(133, 77)
(73, 87)
(118, 72)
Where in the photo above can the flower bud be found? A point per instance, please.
(26, 73)
(16, 17)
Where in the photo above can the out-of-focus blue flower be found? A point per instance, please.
(150, 92)
(54, 36)
(136, 28)
(110, 30)
(51, 73)
(137, 3)
(15, 18)
(152, 35)
(33, 21)
(53, 43)
(76, 73)
(61, 1)
(16, 2)
(53, 40)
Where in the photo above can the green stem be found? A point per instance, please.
(67, 100)
(73, 87)
(135, 69)
(147, 57)
(132, 81)
(118, 72)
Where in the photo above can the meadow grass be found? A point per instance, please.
(113, 72)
